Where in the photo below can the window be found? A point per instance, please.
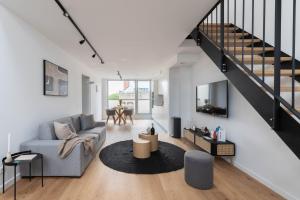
(144, 97)
(131, 93)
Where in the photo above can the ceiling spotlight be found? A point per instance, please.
(94, 55)
(81, 41)
(119, 74)
(66, 14)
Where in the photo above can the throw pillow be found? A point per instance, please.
(87, 122)
(72, 127)
(63, 131)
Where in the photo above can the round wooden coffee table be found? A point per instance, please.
(153, 140)
(141, 148)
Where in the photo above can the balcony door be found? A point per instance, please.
(133, 94)
(143, 97)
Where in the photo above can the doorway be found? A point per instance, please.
(86, 95)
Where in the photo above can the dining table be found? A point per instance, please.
(120, 114)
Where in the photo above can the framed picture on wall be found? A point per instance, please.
(55, 80)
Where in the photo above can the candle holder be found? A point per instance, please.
(8, 158)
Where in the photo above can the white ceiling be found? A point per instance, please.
(137, 37)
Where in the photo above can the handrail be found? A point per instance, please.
(209, 12)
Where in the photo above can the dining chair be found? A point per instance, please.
(128, 113)
(111, 113)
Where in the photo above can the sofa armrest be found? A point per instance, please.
(100, 124)
(53, 164)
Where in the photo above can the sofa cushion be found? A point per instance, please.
(87, 122)
(63, 131)
(69, 121)
(76, 122)
(97, 130)
(46, 131)
(65, 120)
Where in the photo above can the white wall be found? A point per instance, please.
(181, 94)
(260, 152)
(161, 113)
(22, 104)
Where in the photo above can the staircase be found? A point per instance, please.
(265, 75)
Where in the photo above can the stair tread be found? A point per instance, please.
(289, 88)
(270, 72)
(257, 59)
(215, 24)
(247, 50)
(214, 29)
(219, 27)
(241, 40)
(230, 34)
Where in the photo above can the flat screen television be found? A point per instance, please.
(212, 98)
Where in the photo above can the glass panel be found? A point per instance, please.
(121, 90)
(144, 96)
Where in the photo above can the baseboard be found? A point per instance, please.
(10, 182)
(263, 180)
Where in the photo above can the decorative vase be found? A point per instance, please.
(8, 158)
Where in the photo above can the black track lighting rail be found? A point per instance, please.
(67, 15)
(119, 74)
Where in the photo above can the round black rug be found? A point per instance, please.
(118, 156)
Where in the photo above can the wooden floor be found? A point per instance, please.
(101, 182)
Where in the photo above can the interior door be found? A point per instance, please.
(86, 95)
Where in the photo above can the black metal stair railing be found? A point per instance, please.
(245, 48)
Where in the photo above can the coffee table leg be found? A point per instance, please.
(30, 171)
(15, 182)
(3, 176)
(42, 164)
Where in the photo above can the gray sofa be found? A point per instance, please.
(47, 144)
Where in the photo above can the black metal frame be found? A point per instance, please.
(15, 164)
(277, 53)
(277, 64)
(67, 15)
(45, 78)
(266, 100)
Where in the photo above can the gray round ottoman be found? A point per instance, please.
(198, 169)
